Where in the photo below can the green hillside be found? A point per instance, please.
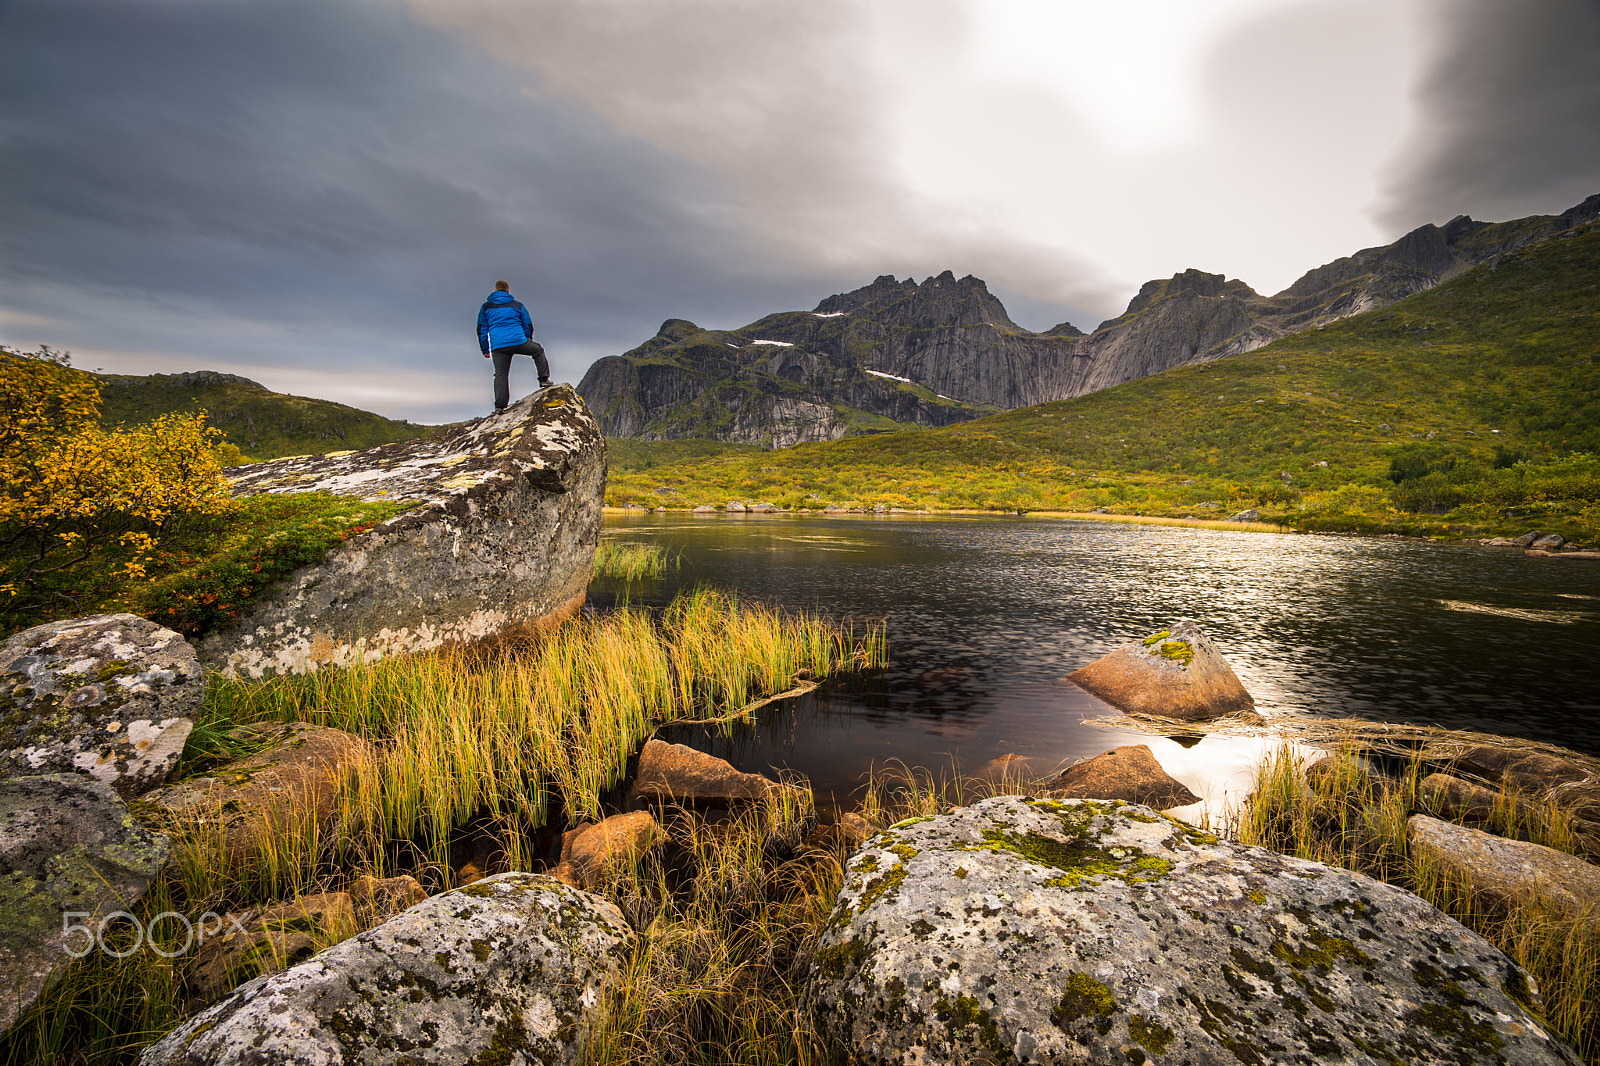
(263, 424)
(1468, 409)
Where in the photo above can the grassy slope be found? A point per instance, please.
(263, 424)
(1511, 347)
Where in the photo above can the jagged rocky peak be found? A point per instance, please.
(1190, 282)
(941, 301)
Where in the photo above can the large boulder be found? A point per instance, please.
(507, 970)
(299, 774)
(590, 850)
(1057, 931)
(1128, 773)
(70, 856)
(112, 696)
(503, 535)
(1502, 872)
(1173, 673)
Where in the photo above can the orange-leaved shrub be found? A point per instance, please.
(83, 508)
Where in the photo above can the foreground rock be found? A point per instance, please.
(70, 855)
(298, 776)
(503, 535)
(677, 773)
(1502, 872)
(257, 942)
(112, 696)
(588, 851)
(506, 970)
(1173, 673)
(1128, 773)
(1031, 930)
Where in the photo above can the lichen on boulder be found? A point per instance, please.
(509, 969)
(1172, 673)
(502, 535)
(70, 855)
(112, 696)
(1032, 930)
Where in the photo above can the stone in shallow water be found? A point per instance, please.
(111, 695)
(70, 854)
(509, 969)
(1173, 673)
(1128, 773)
(1056, 931)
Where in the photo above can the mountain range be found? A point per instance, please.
(896, 354)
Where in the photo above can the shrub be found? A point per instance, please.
(83, 509)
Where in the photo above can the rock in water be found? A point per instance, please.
(1173, 673)
(1128, 773)
(503, 534)
(1058, 931)
(112, 696)
(509, 969)
(70, 855)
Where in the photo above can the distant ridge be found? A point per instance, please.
(896, 354)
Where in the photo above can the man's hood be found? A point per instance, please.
(498, 297)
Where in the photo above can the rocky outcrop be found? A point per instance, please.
(1033, 930)
(1502, 872)
(70, 855)
(299, 774)
(1129, 773)
(1173, 673)
(111, 696)
(509, 969)
(898, 353)
(502, 534)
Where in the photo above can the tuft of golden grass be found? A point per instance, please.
(631, 562)
(1345, 815)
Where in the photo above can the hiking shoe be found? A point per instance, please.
(545, 384)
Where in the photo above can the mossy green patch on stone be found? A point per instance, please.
(1150, 1034)
(1084, 998)
(835, 961)
(1177, 651)
(879, 887)
(905, 822)
(1157, 637)
(966, 1012)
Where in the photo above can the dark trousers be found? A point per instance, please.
(502, 368)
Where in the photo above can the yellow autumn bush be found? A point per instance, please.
(82, 508)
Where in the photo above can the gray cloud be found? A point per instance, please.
(1510, 112)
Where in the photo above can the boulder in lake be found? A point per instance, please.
(112, 696)
(1504, 872)
(1056, 931)
(299, 774)
(677, 773)
(1129, 773)
(502, 535)
(509, 969)
(1251, 515)
(1173, 673)
(70, 856)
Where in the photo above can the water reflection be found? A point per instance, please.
(986, 615)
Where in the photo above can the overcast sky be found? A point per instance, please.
(318, 194)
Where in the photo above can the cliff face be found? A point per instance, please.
(896, 353)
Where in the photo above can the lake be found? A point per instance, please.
(986, 615)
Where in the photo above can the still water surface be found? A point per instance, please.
(986, 615)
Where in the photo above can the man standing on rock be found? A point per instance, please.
(505, 330)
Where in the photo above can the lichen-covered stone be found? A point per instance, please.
(274, 938)
(298, 775)
(1128, 773)
(507, 970)
(1172, 673)
(67, 844)
(503, 535)
(111, 695)
(1502, 872)
(1078, 931)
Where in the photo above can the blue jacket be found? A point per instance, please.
(503, 323)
